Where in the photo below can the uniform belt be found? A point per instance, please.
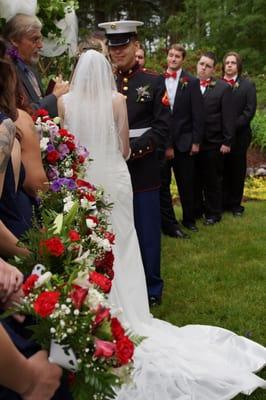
(133, 133)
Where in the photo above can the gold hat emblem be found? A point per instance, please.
(113, 26)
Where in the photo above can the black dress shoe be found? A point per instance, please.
(189, 225)
(180, 234)
(211, 221)
(154, 301)
(176, 233)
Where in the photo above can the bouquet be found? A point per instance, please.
(63, 156)
(70, 273)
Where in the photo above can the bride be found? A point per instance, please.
(194, 362)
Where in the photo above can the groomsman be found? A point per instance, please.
(244, 96)
(149, 127)
(218, 135)
(187, 124)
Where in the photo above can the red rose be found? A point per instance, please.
(53, 156)
(110, 236)
(82, 183)
(117, 329)
(78, 296)
(105, 264)
(70, 145)
(73, 235)
(124, 350)
(100, 280)
(54, 246)
(45, 303)
(103, 348)
(102, 314)
(81, 159)
(93, 218)
(29, 283)
(63, 132)
(89, 197)
(40, 113)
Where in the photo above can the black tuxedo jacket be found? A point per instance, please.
(245, 101)
(220, 115)
(48, 102)
(187, 125)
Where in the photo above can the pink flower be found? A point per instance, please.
(103, 348)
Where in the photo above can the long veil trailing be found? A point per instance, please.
(89, 112)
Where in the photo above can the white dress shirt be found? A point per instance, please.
(171, 87)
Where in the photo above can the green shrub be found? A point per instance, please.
(259, 130)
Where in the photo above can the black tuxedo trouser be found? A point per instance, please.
(209, 183)
(183, 166)
(235, 166)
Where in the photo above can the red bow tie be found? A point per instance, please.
(170, 74)
(230, 81)
(204, 82)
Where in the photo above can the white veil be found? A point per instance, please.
(89, 112)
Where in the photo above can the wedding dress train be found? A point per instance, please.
(195, 362)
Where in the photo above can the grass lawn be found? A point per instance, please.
(218, 277)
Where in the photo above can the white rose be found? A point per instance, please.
(43, 143)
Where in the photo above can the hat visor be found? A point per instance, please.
(112, 42)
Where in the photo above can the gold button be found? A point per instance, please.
(148, 147)
(130, 71)
(125, 88)
(140, 151)
(125, 80)
(133, 154)
(142, 99)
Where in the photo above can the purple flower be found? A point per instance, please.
(56, 185)
(50, 147)
(82, 151)
(13, 53)
(63, 150)
(52, 173)
(71, 185)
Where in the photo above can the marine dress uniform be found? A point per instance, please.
(149, 129)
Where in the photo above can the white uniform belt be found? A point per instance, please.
(133, 133)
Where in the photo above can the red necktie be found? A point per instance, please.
(204, 82)
(170, 74)
(230, 81)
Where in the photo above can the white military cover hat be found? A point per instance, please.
(119, 33)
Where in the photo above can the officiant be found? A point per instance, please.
(23, 32)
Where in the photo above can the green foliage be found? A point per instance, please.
(51, 11)
(259, 130)
(260, 81)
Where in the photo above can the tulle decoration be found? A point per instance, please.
(9, 8)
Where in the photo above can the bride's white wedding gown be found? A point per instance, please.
(194, 362)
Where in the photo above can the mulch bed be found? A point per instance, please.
(256, 157)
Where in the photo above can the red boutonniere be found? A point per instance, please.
(184, 82)
(165, 99)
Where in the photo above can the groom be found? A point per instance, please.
(148, 123)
